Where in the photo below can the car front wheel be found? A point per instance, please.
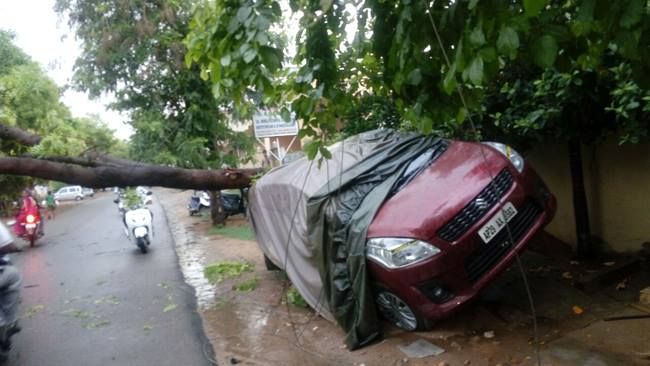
(398, 312)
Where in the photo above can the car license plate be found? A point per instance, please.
(497, 222)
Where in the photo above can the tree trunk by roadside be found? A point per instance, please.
(580, 208)
(217, 212)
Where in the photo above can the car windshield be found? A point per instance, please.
(417, 165)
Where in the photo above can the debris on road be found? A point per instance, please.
(489, 334)
(577, 310)
(421, 349)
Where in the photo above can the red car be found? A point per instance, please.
(438, 238)
(437, 242)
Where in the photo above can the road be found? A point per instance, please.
(91, 298)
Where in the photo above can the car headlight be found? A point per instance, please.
(515, 158)
(399, 252)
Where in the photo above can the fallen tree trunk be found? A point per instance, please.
(127, 175)
(97, 170)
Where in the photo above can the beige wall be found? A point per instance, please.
(617, 180)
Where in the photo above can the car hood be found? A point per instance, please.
(438, 193)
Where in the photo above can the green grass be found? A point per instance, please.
(243, 232)
(247, 286)
(217, 272)
(294, 298)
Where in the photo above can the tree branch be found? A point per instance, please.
(146, 175)
(22, 136)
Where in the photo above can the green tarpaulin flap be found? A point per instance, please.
(338, 216)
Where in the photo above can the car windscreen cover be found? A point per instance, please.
(311, 220)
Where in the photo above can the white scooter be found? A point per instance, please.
(139, 227)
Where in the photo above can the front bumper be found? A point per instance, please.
(440, 286)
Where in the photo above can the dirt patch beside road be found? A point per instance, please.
(258, 327)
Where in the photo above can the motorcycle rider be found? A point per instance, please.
(28, 206)
(10, 284)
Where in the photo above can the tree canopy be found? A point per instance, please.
(135, 50)
(29, 104)
(494, 51)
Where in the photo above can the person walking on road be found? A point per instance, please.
(50, 202)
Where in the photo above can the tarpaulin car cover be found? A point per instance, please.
(312, 220)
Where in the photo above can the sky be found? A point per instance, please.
(49, 41)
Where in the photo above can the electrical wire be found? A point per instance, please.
(459, 89)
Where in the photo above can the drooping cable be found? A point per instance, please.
(459, 89)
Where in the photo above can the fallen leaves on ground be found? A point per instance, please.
(33, 310)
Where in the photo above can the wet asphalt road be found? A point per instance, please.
(91, 298)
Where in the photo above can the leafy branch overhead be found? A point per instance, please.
(344, 51)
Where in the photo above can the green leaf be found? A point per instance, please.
(325, 5)
(508, 42)
(325, 152)
(461, 115)
(632, 13)
(204, 74)
(415, 77)
(472, 4)
(427, 125)
(477, 38)
(475, 71)
(311, 149)
(262, 39)
(533, 7)
(285, 114)
(169, 307)
(250, 55)
(544, 51)
(243, 13)
(449, 82)
(488, 54)
(270, 58)
(225, 60)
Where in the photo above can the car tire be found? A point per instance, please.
(78, 198)
(270, 266)
(398, 312)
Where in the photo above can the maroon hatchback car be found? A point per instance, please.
(441, 239)
(451, 223)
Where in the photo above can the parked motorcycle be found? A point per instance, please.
(198, 201)
(234, 201)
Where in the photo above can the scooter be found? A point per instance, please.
(198, 201)
(139, 227)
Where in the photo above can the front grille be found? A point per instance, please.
(488, 254)
(474, 210)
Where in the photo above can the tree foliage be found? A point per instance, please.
(394, 52)
(29, 100)
(134, 50)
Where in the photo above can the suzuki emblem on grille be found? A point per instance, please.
(481, 203)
